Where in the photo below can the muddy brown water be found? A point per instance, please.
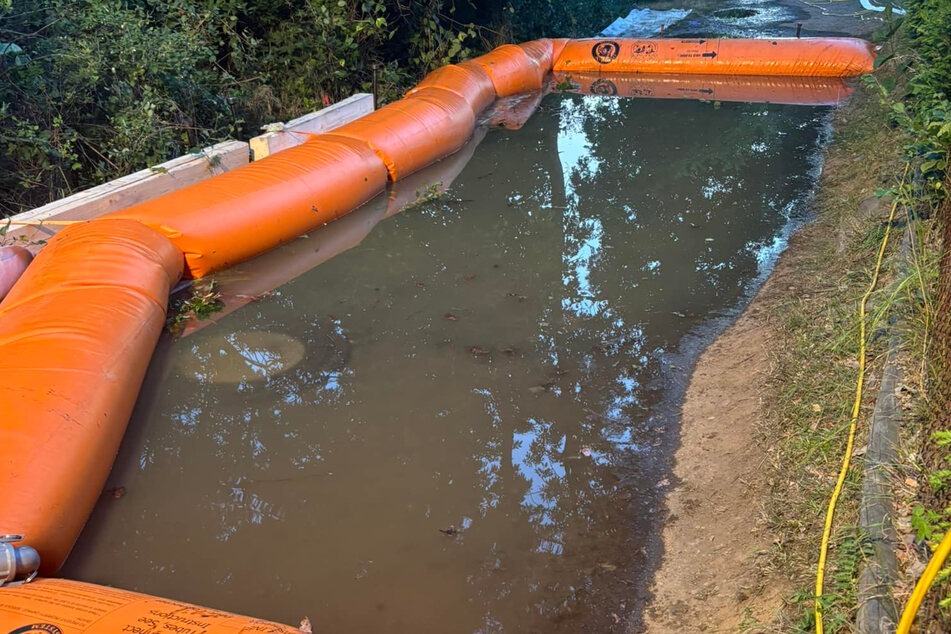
(501, 364)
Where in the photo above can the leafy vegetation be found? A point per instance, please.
(918, 90)
(95, 89)
(198, 302)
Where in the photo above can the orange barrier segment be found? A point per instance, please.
(557, 46)
(438, 177)
(76, 335)
(805, 57)
(249, 280)
(511, 70)
(59, 606)
(803, 91)
(540, 52)
(415, 131)
(253, 209)
(469, 82)
(235, 216)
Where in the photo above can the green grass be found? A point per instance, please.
(814, 366)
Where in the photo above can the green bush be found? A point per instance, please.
(99, 89)
(917, 88)
(929, 27)
(929, 24)
(94, 89)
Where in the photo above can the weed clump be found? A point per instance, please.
(199, 302)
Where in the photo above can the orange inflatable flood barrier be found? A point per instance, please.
(59, 606)
(76, 335)
(469, 82)
(800, 91)
(415, 131)
(541, 52)
(807, 57)
(78, 328)
(511, 70)
(223, 220)
(245, 282)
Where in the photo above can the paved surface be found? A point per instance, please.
(779, 18)
(833, 17)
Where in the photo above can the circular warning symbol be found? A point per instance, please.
(604, 87)
(37, 628)
(605, 52)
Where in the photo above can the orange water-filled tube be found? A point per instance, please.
(469, 82)
(242, 213)
(540, 52)
(806, 57)
(802, 91)
(58, 606)
(414, 132)
(76, 335)
(511, 69)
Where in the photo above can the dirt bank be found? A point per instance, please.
(714, 531)
(760, 424)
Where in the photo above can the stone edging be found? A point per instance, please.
(876, 612)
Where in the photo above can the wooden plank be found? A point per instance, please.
(129, 190)
(296, 131)
(181, 172)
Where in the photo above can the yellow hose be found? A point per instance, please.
(856, 406)
(921, 588)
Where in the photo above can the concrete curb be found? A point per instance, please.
(877, 612)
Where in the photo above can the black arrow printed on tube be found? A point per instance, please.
(698, 51)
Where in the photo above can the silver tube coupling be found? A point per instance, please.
(18, 563)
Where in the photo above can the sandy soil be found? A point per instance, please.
(708, 579)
